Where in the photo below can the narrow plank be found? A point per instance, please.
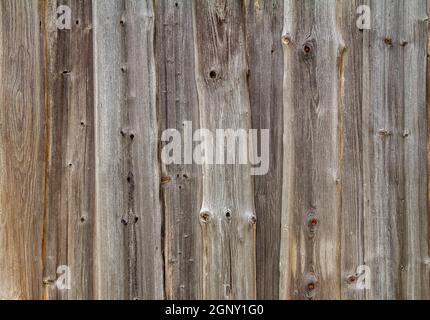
(22, 146)
(394, 118)
(227, 213)
(310, 254)
(181, 183)
(264, 21)
(129, 262)
(70, 215)
(350, 69)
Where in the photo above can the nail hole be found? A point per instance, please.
(307, 49)
(132, 136)
(228, 214)
(83, 219)
(311, 286)
(388, 41)
(212, 74)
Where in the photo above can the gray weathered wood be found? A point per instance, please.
(227, 213)
(81, 178)
(69, 221)
(350, 139)
(310, 255)
(394, 113)
(264, 21)
(181, 184)
(129, 262)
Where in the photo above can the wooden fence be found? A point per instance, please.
(82, 110)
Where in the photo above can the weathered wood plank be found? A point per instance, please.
(264, 21)
(350, 135)
(70, 215)
(128, 233)
(181, 183)
(310, 256)
(22, 146)
(395, 145)
(227, 213)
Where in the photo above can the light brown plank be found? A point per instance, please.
(22, 146)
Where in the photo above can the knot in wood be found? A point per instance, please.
(205, 217)
(352, 279)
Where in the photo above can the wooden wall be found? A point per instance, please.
(82, 183)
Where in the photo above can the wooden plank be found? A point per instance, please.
(181, 183)
(394, 123)
(70, 216)
(129, 262)
(264, 21)
(310, 256)
(227, 213)
(22, 146)
(350, 68)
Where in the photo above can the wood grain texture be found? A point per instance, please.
(310, 255)
(83, 184)
(22, 150)
(129, 262)
(227, 213)
(350, 139)
(264, 21)
(394, 125)
(69, 223)
(181, 184)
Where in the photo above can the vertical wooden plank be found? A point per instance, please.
(227, 214)
(128, 229)
(428, 135)
(394, 118)
(350, 68)
(181, 183)
(264, 21)
(70, 216)
(22, 146)
(310, 255)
